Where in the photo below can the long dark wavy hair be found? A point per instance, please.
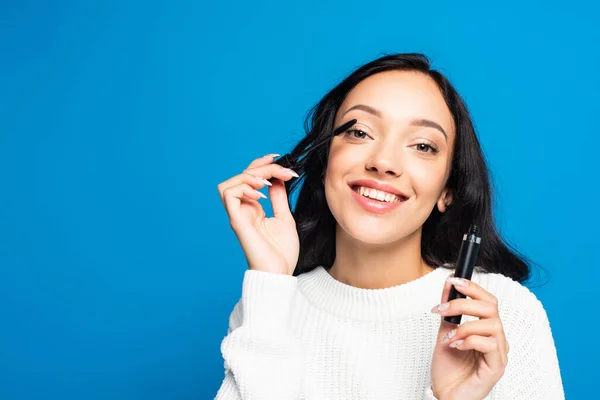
(442, 232)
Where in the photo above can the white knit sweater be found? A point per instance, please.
(315, 338)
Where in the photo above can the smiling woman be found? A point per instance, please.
(337, 302)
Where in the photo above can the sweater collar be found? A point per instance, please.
(388, 304)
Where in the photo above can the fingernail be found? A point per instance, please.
(457, 343)
(261, 194)
(272, 155)
(291, 172)
(449, 335)
(459, 282)
(263, 180)
(440, 307)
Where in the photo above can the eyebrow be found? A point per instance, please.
(429, 124)
(416, 122)
(365, 108)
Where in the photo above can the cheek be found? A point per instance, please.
(340, 158)
(427, 177)
(338, 165)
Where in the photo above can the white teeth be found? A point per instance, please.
(378, 194)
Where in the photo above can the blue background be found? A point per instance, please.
(118, 269)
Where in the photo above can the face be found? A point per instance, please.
(404, 139)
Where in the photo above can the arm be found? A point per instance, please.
(263, 359)
(533, 372)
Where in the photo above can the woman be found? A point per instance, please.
(337, 302)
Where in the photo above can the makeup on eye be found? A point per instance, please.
(424, 146)
(352, 131)
(416, 122)
(427, 145)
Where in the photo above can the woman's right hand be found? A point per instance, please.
(270, 244)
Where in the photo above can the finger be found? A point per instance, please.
(482, 327)
(273, 171)
(237, 193)
(265, 172)
(475, 308)
(279, 201)
(473, 290)
(245, 178)
(488, 346)
(262, 161)
(233, 197)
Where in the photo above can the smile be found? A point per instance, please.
(369, 199)
(378, 195)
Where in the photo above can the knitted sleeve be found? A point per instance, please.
(533, 371)
(428, 395)
(263, 359)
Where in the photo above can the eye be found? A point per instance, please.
(425, 147)
(356, 133)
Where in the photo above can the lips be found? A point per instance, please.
(384, 187)
(373, 205)
(378, 195)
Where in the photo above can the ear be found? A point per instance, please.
(445, 200)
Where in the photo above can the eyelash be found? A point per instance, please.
(349, 132)
(433, 149)
(430, 146)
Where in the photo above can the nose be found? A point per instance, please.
(384, 160)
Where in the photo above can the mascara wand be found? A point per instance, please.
(287, 161)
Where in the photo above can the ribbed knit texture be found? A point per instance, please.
(312, 337)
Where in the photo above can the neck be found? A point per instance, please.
(371, 266)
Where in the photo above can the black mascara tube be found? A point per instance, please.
(467, 256)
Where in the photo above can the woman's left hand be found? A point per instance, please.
(469, 358)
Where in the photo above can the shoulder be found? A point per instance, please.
(501, 285)
(533, 370)
(518, 306)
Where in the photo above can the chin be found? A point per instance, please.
(373, 233)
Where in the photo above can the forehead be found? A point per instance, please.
(402, 96)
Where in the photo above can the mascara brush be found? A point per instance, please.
(287, 161)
